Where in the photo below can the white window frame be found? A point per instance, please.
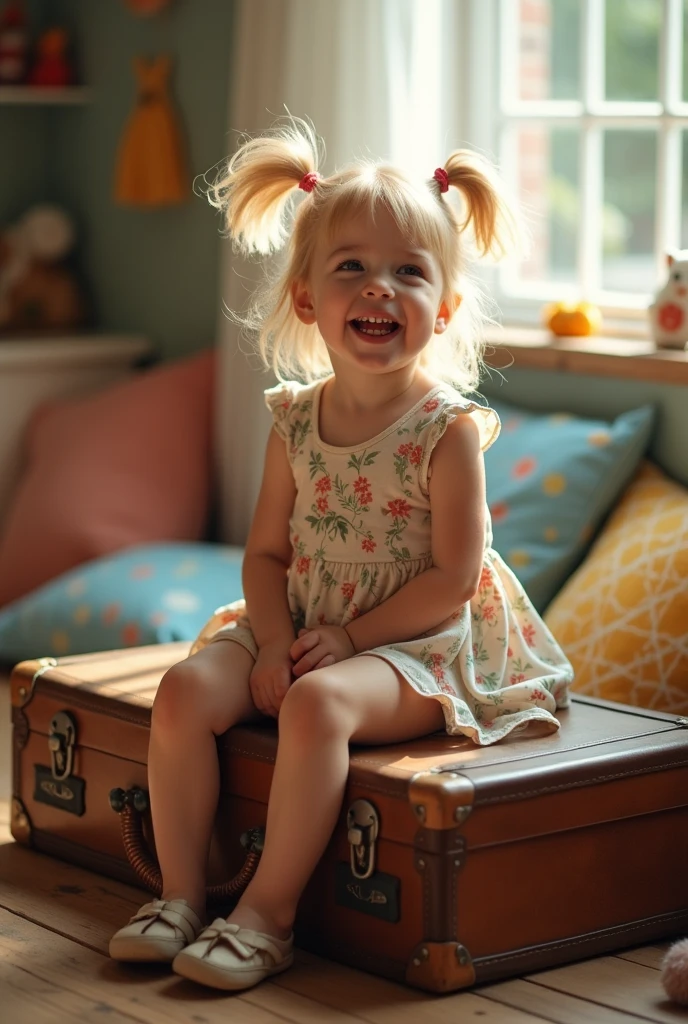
(488, 113)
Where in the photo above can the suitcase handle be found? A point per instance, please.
(130, 805)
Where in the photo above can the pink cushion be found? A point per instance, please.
(127, 465)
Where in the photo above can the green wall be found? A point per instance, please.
(23, 148)
(23, 160)
(150, 271)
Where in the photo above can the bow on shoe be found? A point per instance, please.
(162, 910)
(242, 941)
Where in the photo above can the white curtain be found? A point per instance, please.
(371, 77)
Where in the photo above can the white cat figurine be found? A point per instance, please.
(669, 311)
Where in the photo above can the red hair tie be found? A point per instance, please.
(308, 181)
(442, 178)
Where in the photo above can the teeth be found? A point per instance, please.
(374, 320)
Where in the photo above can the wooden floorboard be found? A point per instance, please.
(56, 920)
(26, 997)
(148, 994)
(649, 956)
(382, 1002)
(554, 1006)
(615, 983)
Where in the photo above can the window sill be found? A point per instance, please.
(636, 359)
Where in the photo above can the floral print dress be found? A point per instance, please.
(360, 530)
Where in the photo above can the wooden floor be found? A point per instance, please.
(56, 920)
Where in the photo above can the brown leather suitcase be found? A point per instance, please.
(451, 865)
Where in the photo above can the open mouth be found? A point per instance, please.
(375, 328)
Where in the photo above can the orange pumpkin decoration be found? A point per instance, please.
(573, 319)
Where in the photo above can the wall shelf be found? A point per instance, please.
(43, 95)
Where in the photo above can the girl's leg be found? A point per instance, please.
(362, 700)
(198, 699)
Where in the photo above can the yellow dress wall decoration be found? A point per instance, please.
(151, 165)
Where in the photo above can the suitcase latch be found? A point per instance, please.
(61, 741)
(363, 823)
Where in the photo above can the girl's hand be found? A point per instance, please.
(270, 678)
(318, 648)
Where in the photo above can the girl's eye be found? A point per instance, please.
(350, 265)
(411, 270)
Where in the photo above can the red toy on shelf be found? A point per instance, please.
(14, 44)
(52, 67)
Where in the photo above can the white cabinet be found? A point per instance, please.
(33, 370)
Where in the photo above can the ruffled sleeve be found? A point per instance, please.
(280, 401)
(483, 416)
(291, 405)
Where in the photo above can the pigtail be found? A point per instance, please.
(256, 186)
(488, 211)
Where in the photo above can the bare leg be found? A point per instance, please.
(197, 700)
(364, 700)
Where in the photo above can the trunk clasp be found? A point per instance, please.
(363, 823)
(61, 741)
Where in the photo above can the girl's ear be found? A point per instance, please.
(444, 315)
(302, 301)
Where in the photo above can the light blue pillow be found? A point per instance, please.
(144, 595)
(551, 479)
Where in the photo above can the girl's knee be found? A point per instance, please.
(179, 698)
(314, 705)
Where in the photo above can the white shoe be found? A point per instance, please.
(230, 957)
(158, 932)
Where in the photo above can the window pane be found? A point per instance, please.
(685, 52)
(684, 191)
(549, 35)
(632, 49)
(628, 216)
(548, 187)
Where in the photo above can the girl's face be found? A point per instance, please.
(376, 299)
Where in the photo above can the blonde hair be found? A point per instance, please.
(256, 190)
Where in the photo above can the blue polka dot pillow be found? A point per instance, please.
(551, 479)
(144, 595)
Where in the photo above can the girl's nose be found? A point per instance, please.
(378, 288)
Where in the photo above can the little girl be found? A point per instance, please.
(376, 609)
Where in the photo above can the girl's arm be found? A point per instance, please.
(268, 551)
(457, 501)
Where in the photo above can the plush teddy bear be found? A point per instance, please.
(675, 972)
(38, 291)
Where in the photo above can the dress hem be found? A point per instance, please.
(476, 731)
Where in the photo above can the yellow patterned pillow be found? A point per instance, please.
(622, 617)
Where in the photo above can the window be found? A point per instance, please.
(592, 131)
